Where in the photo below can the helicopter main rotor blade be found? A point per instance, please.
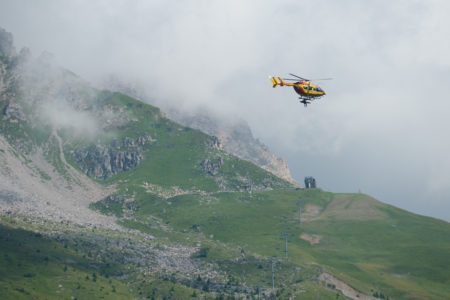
(298, 77)
(316, 79)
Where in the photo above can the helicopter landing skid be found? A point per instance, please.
(304, 101)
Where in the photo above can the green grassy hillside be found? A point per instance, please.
(373, 247)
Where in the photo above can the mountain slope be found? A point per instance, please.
(233, 134)
(97, 182)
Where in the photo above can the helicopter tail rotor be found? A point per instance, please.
(276, 81)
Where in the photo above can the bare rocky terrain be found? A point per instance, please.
(345, 288)
(24, 189)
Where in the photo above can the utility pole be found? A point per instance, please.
(285, 235)
(273, 272)
(299, 204)
(259, 292)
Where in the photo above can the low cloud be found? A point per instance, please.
(62, 116)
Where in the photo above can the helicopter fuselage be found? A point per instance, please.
(307, 89)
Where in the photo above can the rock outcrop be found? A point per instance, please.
(102, 162)
(212, 167)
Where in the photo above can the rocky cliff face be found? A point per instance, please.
(6, 55)
(6, 43)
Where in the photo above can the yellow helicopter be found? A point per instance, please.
(308, 91)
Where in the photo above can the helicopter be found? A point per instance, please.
(308, 91)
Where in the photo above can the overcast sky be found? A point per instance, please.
(383, 127)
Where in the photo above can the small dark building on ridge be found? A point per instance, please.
(310, 182)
